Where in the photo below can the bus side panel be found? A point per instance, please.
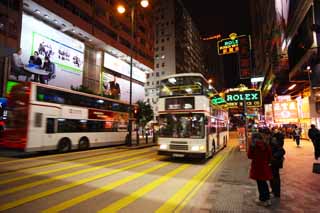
(38, 139)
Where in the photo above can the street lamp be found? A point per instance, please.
(121, 9)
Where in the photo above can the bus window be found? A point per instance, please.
(50, 126)
(38, 119)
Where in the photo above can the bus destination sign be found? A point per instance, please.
(251, 97)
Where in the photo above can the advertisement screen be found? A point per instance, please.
(285, 112)
(123, 68)
(65, 53)
(119, 88)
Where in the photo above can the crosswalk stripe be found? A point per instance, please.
(57, 155)
(2, 174)
(62, 168)
(60, 177)
(101, 190)
(70, 185)
(179, 197)
(116, 206)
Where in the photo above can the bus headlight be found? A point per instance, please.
(163, 146)
(197, 148)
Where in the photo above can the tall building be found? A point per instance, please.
(89, 42)
(178, 46)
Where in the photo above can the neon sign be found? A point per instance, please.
(252, 98)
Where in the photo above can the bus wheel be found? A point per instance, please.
(64, 145)
(84, 143)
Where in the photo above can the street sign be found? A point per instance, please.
(237, 98)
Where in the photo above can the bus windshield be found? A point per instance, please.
(182, 125)
(183, 85)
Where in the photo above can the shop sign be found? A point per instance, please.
(3, 103)
(228, 46)
(285, 111)
(252, 98)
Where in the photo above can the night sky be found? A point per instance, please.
(222, 17)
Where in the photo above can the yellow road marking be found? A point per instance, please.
(179, 197)
(101, 190)
(116, 206)
(55, 164)
(51, 179)
(195, 190)
(70, 185)
(55, 155)
(62, 168)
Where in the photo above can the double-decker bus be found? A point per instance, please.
(43, 117)
(189, 125)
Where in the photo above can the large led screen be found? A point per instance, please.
(66, 53)
(119, 88)
(123, 68)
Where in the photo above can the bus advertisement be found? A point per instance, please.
(189, 124)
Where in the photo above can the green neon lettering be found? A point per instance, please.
(229, 98)
(254, 96)
(236, 97)
(248, 96)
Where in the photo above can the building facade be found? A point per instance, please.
(104, 39)
(178, 46)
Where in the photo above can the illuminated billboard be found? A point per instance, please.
(120, 66)
(66, 53)
(285, 111)
(119, 88)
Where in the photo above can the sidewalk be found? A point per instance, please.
(143, 143)
(233, 191)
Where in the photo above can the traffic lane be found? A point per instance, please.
(73, 190)
(18, 164)
(61, 166)
(45, 202)
(42, 183)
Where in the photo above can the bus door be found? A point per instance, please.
(48, 138)
(218, 134)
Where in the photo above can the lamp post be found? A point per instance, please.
(121, 9)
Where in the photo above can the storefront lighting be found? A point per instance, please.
(308, 67)
(172, 80)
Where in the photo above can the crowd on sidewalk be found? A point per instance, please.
(266, 151)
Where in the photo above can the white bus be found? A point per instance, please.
(189, 125)
(43, 117)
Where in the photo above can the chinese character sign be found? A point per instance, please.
(285, 112)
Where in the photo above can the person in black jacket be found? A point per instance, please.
(314, 135)
(35, 59)
(278, 152)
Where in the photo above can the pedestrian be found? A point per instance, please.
(260, 154)
(314, 135)
(278, 152)
(297, 135)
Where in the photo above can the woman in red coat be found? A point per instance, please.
(260, 154)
